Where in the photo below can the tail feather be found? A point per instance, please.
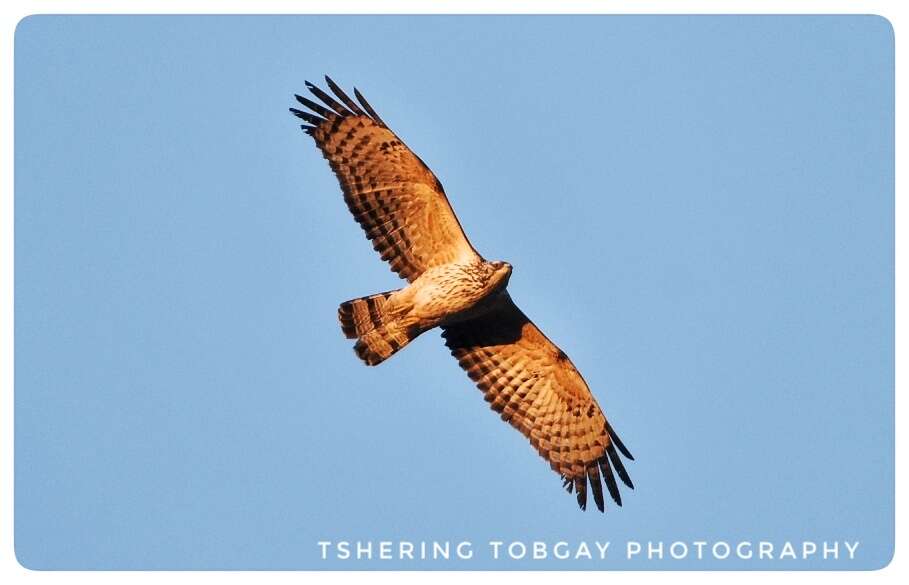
(360, 316)
(380, 344)
(378, 335)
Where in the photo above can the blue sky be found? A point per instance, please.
(699, 211)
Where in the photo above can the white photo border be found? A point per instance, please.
(13, 11)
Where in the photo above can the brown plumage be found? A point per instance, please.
(538, 391)
(402, 207)
(391, 193)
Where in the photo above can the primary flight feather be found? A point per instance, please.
(402, 207)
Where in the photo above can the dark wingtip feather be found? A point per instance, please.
(311, 118)
(328, 100)
(580, 486)
(368, 107)
(351, 105)
(619, 467)
(593, 476)
(568, 484)
(609, 478)
(317, 108)
(618, 442)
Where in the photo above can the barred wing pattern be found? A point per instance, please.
(537, 389)
(393, 195)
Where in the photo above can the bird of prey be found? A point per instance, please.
(402, 207)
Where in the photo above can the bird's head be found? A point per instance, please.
(501, 273)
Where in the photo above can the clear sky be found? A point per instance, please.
(699, 211)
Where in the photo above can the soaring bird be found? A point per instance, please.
(524, 376)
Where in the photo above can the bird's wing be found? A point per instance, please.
(392, 194)
(537, 389)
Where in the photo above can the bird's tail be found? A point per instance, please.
(378, 335)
